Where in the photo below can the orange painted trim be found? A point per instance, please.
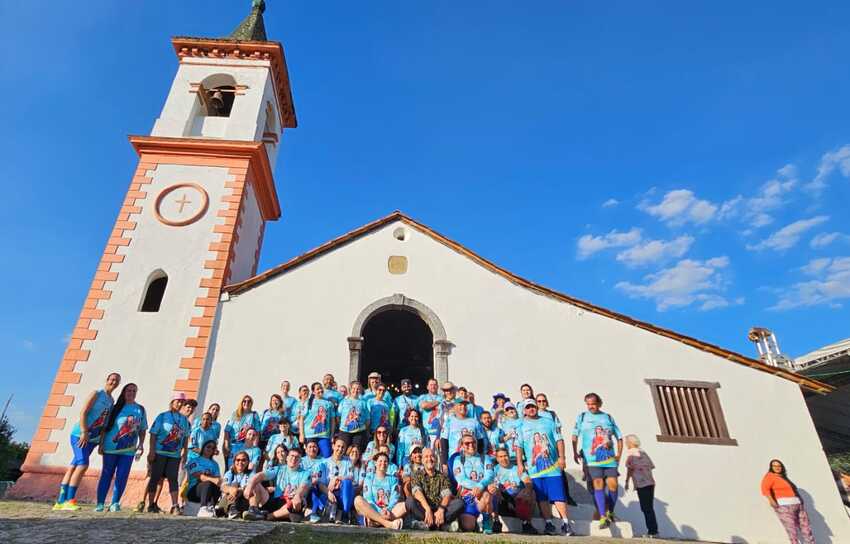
(186, 47)
(250, 156)
(236, 288)
(188, 221)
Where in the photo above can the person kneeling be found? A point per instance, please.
(431, 503)
(292, 484)
(513, 494)
(379, 503)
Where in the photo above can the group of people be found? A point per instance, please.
(349, 455)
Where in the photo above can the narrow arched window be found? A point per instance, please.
(152, 299)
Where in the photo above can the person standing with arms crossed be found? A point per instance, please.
(595, 433)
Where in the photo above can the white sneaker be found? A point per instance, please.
(206, 512)
(332, 512)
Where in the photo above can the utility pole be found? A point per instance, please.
(6, 407)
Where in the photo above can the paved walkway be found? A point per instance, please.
(29, 522)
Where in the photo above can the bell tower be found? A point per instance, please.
(192, 221)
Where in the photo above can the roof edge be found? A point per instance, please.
(815, 386)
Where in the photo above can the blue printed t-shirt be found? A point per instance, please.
(96, 417)
(494, 439)
(333, 396)
(317, 420)
(237, 479)
(215, 426)
(454, 428)
(402, 404)
(369, 395)
(551, 415)
(430, 418)
(474, 411)
(509, 480)
(254, 455)
(299, 410)
(123, 437)
(313, 466)
(539, 439)
(473, 471)
(341, 470)
(379, 414)
(511, 429)
(200, 465)
(353, 415)
(288, 442)
(170, 429)
(286, 480)
(381, 493)
(597, 435)
(289, 404)
(237, 429)
(371, 449)
(199, 437)
(268, 423)
(408, 438)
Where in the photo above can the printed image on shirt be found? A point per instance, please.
(598, 436)
(123, 436)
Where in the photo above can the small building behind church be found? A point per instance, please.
(177, 304)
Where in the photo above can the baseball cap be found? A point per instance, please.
(448, 386)
(459, 400)
(526, 403)
(406, 381)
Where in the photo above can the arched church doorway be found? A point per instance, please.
(398, 344)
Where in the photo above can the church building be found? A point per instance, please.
(177, 305)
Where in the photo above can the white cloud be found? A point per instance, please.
(589, 244)
(788, 236)
(653, 251)
(687, 282)
(680, 206)
(838, 159)
(830, 284)
(771, 196)
(610, 203)
(825, 238)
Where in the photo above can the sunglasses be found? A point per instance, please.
(542, 401)
(469, 443)
(240, 461)
(380, 432)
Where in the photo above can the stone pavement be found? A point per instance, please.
(32, 522)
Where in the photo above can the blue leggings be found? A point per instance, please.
(324, 446)
(119, 466)
(344, 497)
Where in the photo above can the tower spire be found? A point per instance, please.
(252, 28)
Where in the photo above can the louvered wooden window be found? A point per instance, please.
(689, 412)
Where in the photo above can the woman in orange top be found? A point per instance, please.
(784, 498)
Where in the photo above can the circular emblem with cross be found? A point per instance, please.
(181, 204)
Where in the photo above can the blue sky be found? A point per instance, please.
(684, 163)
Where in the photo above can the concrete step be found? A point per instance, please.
(582, 527)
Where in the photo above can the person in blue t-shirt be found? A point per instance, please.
(494, 437)
(169, 438)
(473, 410)
(331, 394)
(318, 421)
(410, 436)
(540, 452)
(473, 473)
(404, 402)
(289, 401)
(334, 489)
(201, 434)
(85, 436)
(204, 480)
(236, 428)
(291, 485)
(123, 440)
(597, 442)
(284, 437)
(299, 409)
(255, 454)
(510, 423)
(379, 410)
(354, 417)
(371, 392)
(429, 407)
(455, 427)
(513, 493)
(268, 421)
(380, 500)
(234, 486)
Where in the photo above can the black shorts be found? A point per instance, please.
(274, 504)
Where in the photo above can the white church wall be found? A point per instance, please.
(146, 347)
(246, 250)
(295, 327)
(182, 106)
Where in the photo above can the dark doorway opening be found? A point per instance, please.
(398, 344)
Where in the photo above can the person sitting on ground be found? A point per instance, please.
(380, 502)
(85, 437)
(354, 417)
(432, 503)
(639, 470)
(337, 480)
(123, 440)
(204, 480)
(233, 500)
(473, 473)
(255, 454)
(494, 436)
(784, 497)
(414, 465)
(169, 438)
(358, 469)
(284, 438)
(381, 438)
(513, 494)
(291, 485)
